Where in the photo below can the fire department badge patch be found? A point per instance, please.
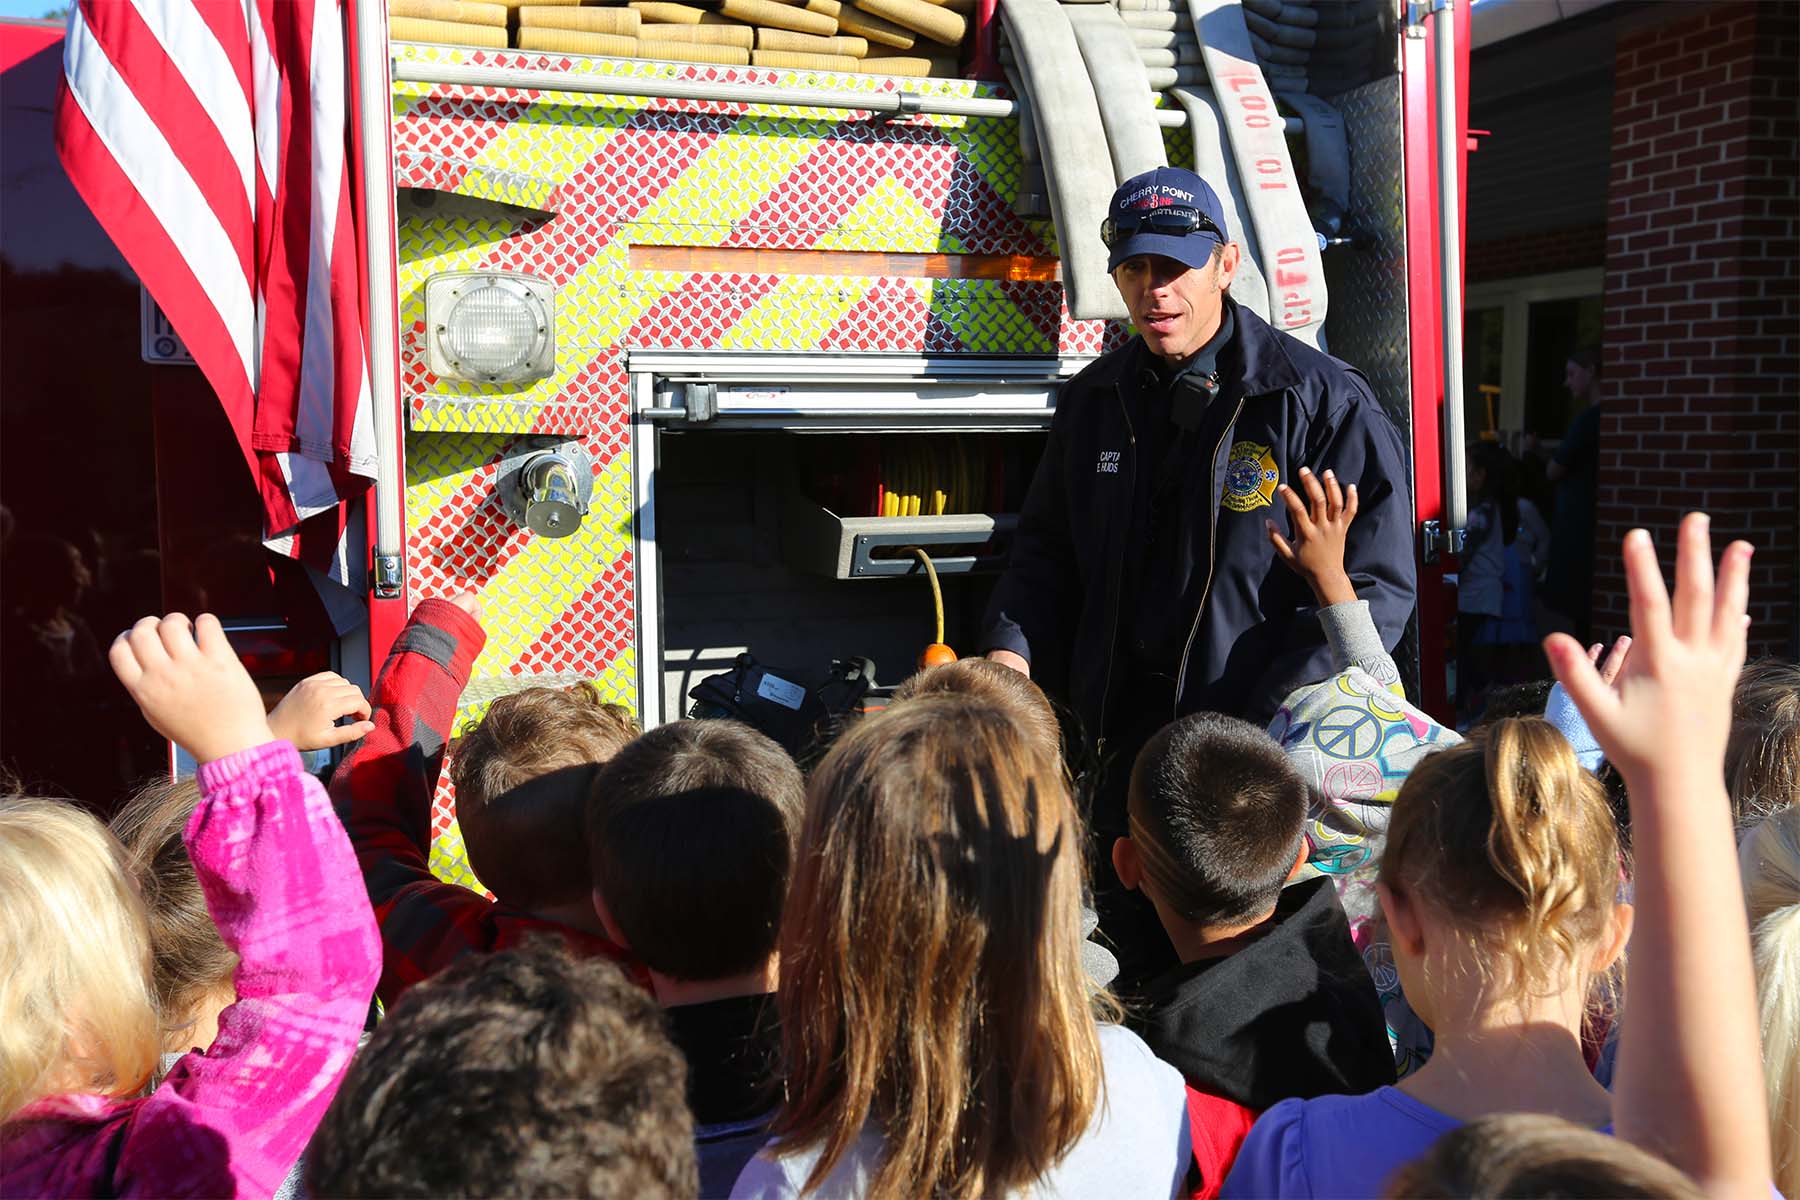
(1250, 477)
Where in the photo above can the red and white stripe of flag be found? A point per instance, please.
(210, 139)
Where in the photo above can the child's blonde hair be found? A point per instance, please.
(76, 1008)
(1508, 837)
(1770, 858)
(190, 960)
(1762, 759)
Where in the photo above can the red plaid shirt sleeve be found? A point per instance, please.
(383, 790)
(383, 793)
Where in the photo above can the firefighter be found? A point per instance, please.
(1142, 585)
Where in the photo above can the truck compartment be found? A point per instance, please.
(749, 526)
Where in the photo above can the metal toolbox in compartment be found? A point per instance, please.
(817, 540)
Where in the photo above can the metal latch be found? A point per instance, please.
(387, 576)
(1434, 543)
(684, 402)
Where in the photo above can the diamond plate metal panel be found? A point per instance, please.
(1370, 331)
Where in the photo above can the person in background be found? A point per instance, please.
(1496, 584)
(1574, 468)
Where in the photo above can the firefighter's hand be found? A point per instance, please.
(1320, 526)
(1007, 658)
(308, 715)
(190, 685)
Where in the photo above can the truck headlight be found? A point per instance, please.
(490, 326)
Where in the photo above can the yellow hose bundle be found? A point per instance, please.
(694, 52)
(539, 3)
(448, 33)
(938, 24)
(573, 41)
(662, 12)
(620, 22)
(790, 42)
(771, 15)
(930, 477)
(790, 60)
(725, 33)
(907, 66)
(469, 12)
(825, 8)
(879, 32)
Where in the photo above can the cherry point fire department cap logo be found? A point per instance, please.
(1165, 187)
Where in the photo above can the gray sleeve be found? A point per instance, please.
(1355, 642)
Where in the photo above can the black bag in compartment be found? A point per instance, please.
(798, 709)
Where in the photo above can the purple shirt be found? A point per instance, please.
(1334, 1145)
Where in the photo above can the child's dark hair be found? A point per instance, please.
(1217, 813)
(1517, 700)
(522, 774)
(1511, 840)
(692, 829)
(1501, 485)
(524, 1073)
(1529, 1155)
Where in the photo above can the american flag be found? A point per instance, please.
(210, 139)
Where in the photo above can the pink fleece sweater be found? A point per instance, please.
(283, 887)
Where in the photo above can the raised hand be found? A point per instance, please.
(188, 682)
(1675, 686)
(1320, 526)
(470, 602)
(308, 715)
(1689, 1083)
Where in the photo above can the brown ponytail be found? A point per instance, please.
(1509, 837)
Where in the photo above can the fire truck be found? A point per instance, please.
(692, 359)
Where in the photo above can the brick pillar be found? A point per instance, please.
(1702, 330)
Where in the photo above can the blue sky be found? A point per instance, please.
(28, 8)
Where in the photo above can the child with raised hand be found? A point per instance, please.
(1689, 1083)
(191, 965)
(76, 1003)
(522, 775)
(1498, 884)
(1353, 738)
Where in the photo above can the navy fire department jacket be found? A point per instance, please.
(1257, 635)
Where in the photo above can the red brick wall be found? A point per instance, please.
(1537, 253)
(1702, 332)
